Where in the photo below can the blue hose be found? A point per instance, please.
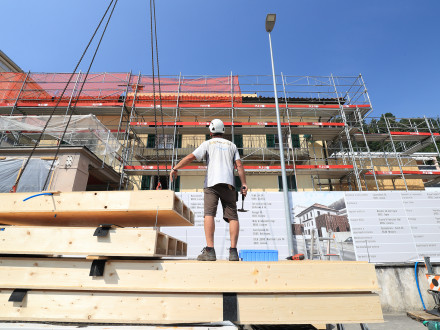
(417, 282)
(42, 194)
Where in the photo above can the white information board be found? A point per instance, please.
(263, 227)
(394, 226)
(386, 226)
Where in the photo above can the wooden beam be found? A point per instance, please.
(122, 242)
(93, 208)
(189, 276)
(166, 308)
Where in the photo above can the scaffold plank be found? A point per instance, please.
(397, 136)
(166, 308)
(189, 276)
(428, 175)
(122, 242)
(94, 208)
(323, 171)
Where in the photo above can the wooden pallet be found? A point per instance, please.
(91, 209)
(189, 276)
(125, 242)
(166, 308)
(423, 316)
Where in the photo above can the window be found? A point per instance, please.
(149, 182)
(319, 213)
(291, 184)
(163, 141)
(272, 141)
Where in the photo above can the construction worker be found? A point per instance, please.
(221, 155)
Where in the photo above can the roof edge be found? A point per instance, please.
(10, 64)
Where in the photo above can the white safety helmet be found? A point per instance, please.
(217, 127)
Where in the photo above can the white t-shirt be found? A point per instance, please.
(220, 155)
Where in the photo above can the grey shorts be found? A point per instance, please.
(228, 197)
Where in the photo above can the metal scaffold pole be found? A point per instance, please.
(290, 133)
(232, 109)
(347, 134)
(395, 152)
(125, 150)
(283, 165)
(175, 137)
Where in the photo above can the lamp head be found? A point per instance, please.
(270, 22)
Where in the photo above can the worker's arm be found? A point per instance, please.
(242, 175)
(185, 161)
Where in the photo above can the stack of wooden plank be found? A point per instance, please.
(118, 284)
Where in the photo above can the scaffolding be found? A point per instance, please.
(329, 135)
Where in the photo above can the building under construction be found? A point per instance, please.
(107, 131)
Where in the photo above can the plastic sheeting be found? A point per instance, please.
(33, 177)
(83, 130)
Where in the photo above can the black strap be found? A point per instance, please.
(102, 230)
(230, 310)
(97, 268)
(18, 295)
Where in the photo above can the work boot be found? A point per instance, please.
(208, 254)
(233, 254)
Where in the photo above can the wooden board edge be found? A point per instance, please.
(421, 316)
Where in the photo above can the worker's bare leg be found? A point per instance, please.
(209, 230)
(234, 229)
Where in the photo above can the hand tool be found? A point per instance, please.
(298, 256)
(242, 201)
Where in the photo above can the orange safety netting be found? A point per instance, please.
(107, 88)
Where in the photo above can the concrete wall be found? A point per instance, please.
(399, 289)
(72, 173)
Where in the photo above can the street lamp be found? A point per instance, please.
(270, 23)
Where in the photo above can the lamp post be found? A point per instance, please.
(270, 23)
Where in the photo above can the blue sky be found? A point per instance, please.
(393, 43)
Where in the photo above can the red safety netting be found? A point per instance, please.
(108, 88)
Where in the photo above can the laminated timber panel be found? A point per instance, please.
(120, 242)
(93, 208)
(189, 276)
(163, 308)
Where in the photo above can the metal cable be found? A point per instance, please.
(14, 187)
(154, 91)
(79, 93)
(160, 92)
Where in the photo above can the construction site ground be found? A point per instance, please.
(392, 321)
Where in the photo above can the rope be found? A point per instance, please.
(14, 187)
(154, 46)
(79, 93)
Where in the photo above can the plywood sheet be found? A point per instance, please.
(165, 308)
(189, 276)
(89, 208)
(129, 242)
(423, 316)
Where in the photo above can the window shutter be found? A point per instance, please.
(151, 141)
(238, 139)
(291, 184)
(145, 183)
(270, 140)
(178, 141)
(295, 141)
